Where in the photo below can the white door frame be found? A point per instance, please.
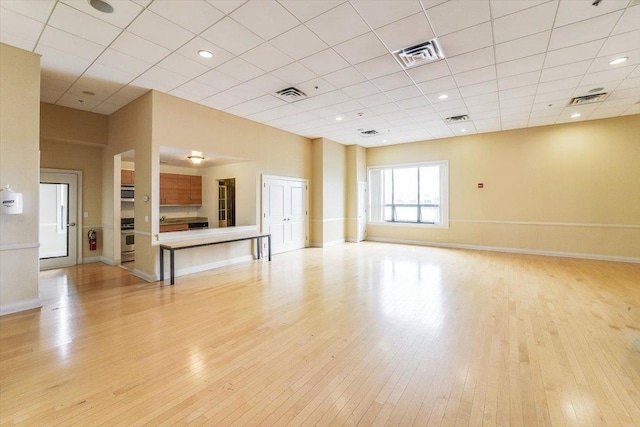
(263, 210)
(79, 227)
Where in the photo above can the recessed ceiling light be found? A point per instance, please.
(88, 93)
(205, 54)
(463, 130)
(384, 140)
(101, 6)
(575, 115)
(338, 118)
(618, 61)
(443, 96)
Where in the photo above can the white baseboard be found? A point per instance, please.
(326, 244)
(20, 306)
(144, 276)
(107, 260)
(509, 250)
(91, 259)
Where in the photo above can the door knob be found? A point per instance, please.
(71, 224)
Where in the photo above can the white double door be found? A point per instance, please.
(284, 212)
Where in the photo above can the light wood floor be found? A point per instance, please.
(367, 334)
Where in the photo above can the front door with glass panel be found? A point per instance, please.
(58, 210)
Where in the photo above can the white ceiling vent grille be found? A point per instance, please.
(455, 119)
(291, 94)
(588, 99)
(423, 53)
(371, 132)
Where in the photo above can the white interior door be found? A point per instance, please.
(362, 210)
(58, 220)
(284, 213)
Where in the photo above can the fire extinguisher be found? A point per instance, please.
(93, 238)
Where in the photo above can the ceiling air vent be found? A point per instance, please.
(291, 94)
(588, 99)
(369, 132)
(419, 54)
(454, 119)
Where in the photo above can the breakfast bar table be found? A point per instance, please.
(209, 241)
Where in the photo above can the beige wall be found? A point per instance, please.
(574, 186)
(246, 197)
(19, 167)
(88, 159)
(356, 163)
(62, 124)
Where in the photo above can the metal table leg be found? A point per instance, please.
(269, 245)
(162, 264)
(171, 266)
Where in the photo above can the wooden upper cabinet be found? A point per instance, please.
(180, 189)
(127, 177)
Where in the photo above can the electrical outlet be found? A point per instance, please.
(86, 214)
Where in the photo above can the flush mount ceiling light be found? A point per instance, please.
(443, 96)
(101, 6)
(338, 118)
(618, 61)
(575, 115)
(205, 54)
(463, 130)
(196, 160)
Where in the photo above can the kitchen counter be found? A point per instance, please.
(183, 224)
(184, 220)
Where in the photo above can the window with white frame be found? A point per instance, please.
(416, 193)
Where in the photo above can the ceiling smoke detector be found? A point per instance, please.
(455, 119)
(588, 99)
(291, 94)
(420, 54)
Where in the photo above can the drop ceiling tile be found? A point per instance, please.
(16, 41)
(126, 95)
(100, 91)
(438, 86)
(418, 101)
(345, 77)
(564, 71)
(49, 95)
(222, 101)
(106, 108)
(583, 31)
(629, 21)
(606, 76)
(191, 49)
(570, 12)
(633, 92)
(459, 111)
(37, 10)
(621, 43)
(246, 92)
(338, 24)
(606, 112)
(194, 91)
(519, 80)
(486, 98)
(608, 87)
(406, 32)
(361, 90)
(226, 6)
(549, 97)
(467, 40)
(520, 66)
(269, 101)
(362, 48)
(403, 122)
(544, 110)
(183, 66)
(20, 26)
(542, 121)
(555, 85)
(635, 73)
(486, 115)
(140, 48)
(452, 94)
(481, 108)
(430, 71)
(51, 81)
(217, 80)
(82, 25)
(479, 88)
(124, 12)
(266, 57)
(454, 104)
(373, 100)
(308, 9)
(501, 8)
(324, 62)
(265, 18)
(380, 13)
(240, 69)
(609, 103)
(114, 59)
(377, 67)
(406, 92)
(520, 48)
(166, 78)
(517, 92)
(245, 109)
(159, 30)
(72, 101)
(602, 63)
(524, 23)
(317, 86)
(294, 73)
(388, 111)
(516, 105)
(299, 43)
(634, 109)
(67, 66)
(193, 15)
(70, 43)
(231, 36)
(472, 60)
(392, 81)
(572, 54)
(476, 76)
(456, 15)
(629, 83)
(268, 83)
(348, 106)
